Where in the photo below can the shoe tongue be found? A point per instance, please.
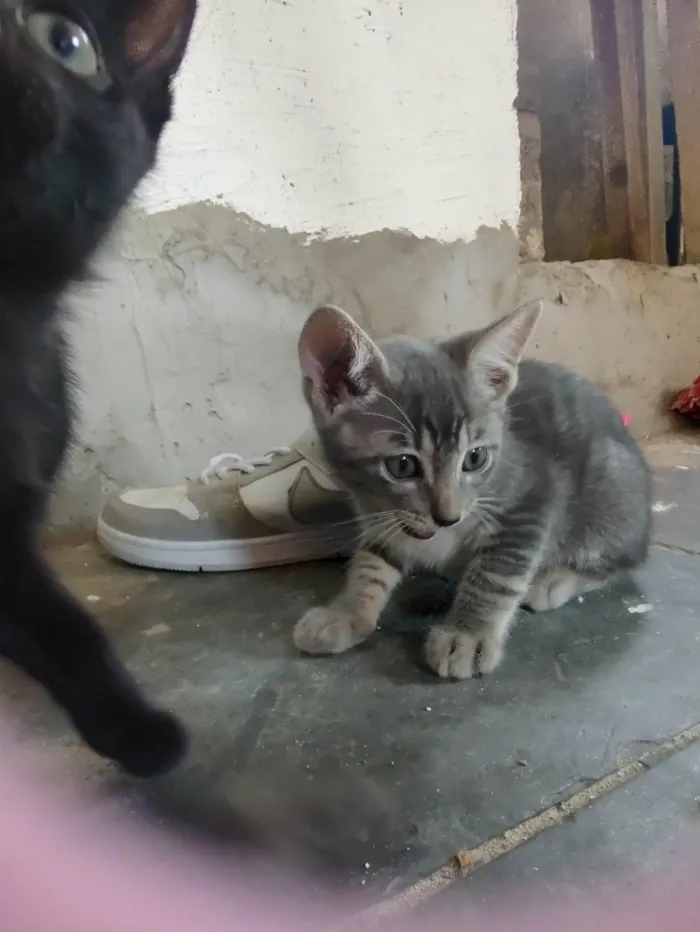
(309, 447)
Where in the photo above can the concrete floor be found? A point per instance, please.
(582, 691)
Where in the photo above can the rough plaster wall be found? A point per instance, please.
(189, 346)
(305, 131)
(343, 118)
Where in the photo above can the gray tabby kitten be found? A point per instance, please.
(519, 478)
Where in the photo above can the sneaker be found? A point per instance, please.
(241, 514)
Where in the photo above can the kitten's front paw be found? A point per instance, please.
(330, 630)
(460, 655)
(552, 589)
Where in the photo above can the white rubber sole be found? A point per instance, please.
(222, 556)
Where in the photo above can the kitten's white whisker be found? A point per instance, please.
(357, 520)
(377, 519)
(402, 433)
(390, 526)
(398, 528)
(406, 419)
(387, 417)
(371, 524)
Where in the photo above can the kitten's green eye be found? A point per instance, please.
(64, 41)
(403, 467)
(476, 459)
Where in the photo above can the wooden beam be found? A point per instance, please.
(684, 66)
(617, 216)
(625, 35)
(655, 167)
(637, 39)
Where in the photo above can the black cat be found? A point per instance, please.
(85, 91)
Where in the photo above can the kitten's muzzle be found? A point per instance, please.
(418, 534)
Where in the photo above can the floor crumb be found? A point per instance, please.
(642, 609)
(660, 507)
(160, 628)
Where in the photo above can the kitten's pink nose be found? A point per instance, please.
(446, 520)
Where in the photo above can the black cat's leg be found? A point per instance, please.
(47, 633)
(488, 597)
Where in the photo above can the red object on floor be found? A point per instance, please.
(625, 419)
(687, 402)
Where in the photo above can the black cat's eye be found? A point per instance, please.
(403, 467)
(477, 458)
(65, 41)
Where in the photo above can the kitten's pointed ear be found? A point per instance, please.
(342, 364)
(492, 364)
(156, 35)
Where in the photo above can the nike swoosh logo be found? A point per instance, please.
(309, 503)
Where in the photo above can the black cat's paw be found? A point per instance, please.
(152, 745)
(143, 741)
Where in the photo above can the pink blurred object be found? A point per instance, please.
(67, 866)
(687, 401)
(626, 419)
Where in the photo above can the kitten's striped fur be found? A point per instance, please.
(524, 483)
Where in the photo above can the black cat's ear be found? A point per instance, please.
(156, 36)
(342, 365)
(492, 363)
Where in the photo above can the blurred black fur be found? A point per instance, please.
(85, 92)
(328, 826)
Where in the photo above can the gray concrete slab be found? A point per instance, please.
(580, 690)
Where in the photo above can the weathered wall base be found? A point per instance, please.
(187, 347)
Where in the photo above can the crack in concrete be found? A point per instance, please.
(463, 863)
(675, 548)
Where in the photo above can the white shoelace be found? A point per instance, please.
(224, 464)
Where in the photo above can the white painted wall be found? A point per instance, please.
(341, 117)
(313, 125)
